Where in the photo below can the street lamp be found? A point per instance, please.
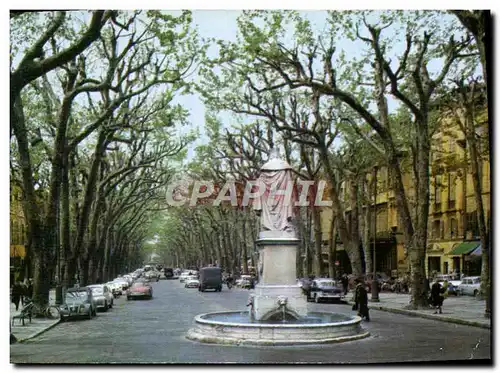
(374, 289)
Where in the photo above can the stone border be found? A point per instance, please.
(194, 336)
(209, 331)
(199, 319)
(37, 333)
(412, 313)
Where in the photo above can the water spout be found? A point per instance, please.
(282, 302)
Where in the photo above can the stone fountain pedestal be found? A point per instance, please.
(277, 293)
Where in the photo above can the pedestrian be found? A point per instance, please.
(361, 300)
(436, 297)
(17, 293)
(30, 288)
(345, 283)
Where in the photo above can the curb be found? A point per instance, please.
(36, 334)
(430, 317)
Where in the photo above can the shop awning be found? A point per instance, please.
(464, 248)
(477, 251)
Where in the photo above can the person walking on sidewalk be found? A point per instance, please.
(436, 297)
(17, 293)
(361, 300)
(345, 283)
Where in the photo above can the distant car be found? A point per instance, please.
(140, 290)
(152, 275)
(184, 275)
(245, 281)
(115, 288)
(122, 282)
(325, 289)
(169, 273)
(102, 296)
(453, 283)
(210, 278)
(78, 302)
(470, 286)
(192, 282)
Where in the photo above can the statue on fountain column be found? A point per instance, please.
(276, 210)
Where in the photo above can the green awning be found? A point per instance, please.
(464, 248)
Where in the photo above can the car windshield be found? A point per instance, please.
(76, 295)
(326, 283)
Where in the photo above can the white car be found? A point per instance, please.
(115, 288)
(192, 282)
(103, 297)
(325, 289)
(453, 282)
(470, 286)
(122, 282)
(184, 276)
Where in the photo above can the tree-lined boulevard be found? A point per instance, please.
(378, 107)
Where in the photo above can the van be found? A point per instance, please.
(210, 278)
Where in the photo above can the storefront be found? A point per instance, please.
(467, 257)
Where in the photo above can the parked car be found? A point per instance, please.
(140, 290)
(325, 289)
(79, 302)
(122, 282)
(453, 282)
(115, 288)
(470, 286)
(210, 278)
(152, 275)
(102, 296)
(192, 282)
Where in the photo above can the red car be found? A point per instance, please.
(140, 290)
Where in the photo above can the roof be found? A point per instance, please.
(464, 248)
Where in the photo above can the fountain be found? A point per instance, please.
(278, 312)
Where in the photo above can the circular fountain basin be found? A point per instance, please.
(235, 327)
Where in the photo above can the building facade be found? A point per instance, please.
(453, 234)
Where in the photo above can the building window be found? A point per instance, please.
(452, 191)
(472, 225)
(453, 228)
(437, 193)
(436, 229)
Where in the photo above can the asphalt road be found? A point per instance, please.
(152, 331)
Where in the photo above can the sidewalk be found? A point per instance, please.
(33, 329)
(465, 310)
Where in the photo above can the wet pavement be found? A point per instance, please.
(153, 331)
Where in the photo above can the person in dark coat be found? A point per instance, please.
(361, 300)
(17, 293)
(436, 297)
(345, 283)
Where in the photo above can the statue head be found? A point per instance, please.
(275, 163)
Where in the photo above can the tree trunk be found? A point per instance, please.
(41, 281)
(318, 258)
(332, 250)
(476, 164)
